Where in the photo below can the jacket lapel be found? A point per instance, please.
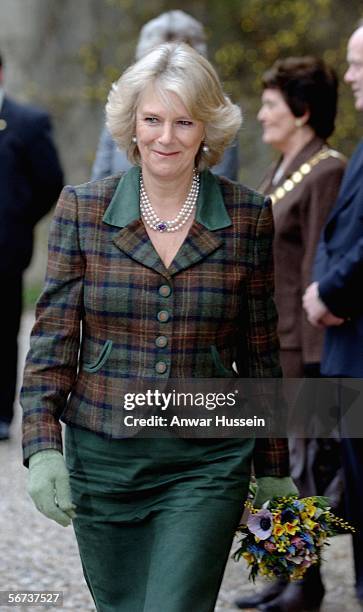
(198, 244)
(133, 240)
(124, 212)
(135, 243)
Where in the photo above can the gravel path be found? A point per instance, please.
(37, 554)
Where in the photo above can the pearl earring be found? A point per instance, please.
(299, 122)
(134, 140)
(205, 148)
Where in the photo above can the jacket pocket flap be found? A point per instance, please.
(100, 360)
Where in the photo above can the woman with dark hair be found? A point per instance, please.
(299, 103)
(298, 112)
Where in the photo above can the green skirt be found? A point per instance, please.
(156, 517)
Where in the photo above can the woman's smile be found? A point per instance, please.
(166, 154)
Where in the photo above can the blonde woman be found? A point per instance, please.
(152, 263)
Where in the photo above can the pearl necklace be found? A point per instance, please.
(173, 225)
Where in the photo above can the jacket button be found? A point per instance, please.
(163, 316)
(165, 291)
(161, 367)
(161, 341)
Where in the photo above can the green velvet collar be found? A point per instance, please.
(124, 206)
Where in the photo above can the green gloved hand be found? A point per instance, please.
(48, 486)
(273, 486)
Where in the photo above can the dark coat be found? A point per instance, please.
(299, 218)
(339, 271)
(141, 321)
(30, 180)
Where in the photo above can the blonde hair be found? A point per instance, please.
(176, 68)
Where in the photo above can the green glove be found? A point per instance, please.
(48, 486)
(273, 486)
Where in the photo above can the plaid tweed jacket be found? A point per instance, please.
(110, 310)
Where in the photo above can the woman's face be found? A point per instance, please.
(277, 120)
(168, 139)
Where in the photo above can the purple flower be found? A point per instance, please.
(287, 516)
(298, 542)
(260, 524)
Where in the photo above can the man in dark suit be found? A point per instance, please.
(30, 181)
(334, 300)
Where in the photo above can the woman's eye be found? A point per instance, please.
(151, 119)
(185, 123)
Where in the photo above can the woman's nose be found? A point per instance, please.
(348, 75)
(166, 134)
(260, 114)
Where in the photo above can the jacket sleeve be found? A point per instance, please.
(320, 259)
(51, 365)
(44, 169)
(338, 287)
(271, 456)
(339, 279)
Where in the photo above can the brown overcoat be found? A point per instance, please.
(299, 218)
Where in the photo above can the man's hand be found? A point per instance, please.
(49, 488)
(317, 313)
(330, 320)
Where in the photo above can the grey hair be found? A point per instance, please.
(172, 26)
(176, 68)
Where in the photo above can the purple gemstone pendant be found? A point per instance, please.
(162, 226)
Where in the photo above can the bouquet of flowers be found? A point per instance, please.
(286, 536)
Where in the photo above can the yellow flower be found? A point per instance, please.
(309, 524)
(310, 510)
(278, 530)
(281, 547)
(291, 528)
(277, 517)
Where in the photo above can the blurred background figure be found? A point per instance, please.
(30, 181)
(170, 26)
(299, 103)
(298, 111)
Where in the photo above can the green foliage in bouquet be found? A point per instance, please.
(286, 536)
